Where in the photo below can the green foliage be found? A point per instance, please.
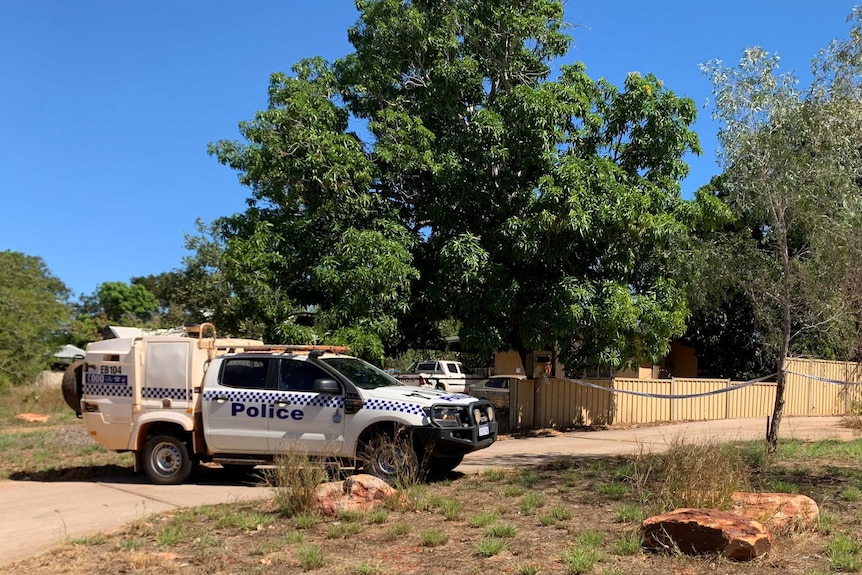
(500, 531)
(310, 557)
(397, 531)
(844, 552)
(118, 303)
(451, 509)
(294, 479)
(628, 543)
(343, 530)
(792, 159)
(532, 501)
(433, 537)
(529, 211)
(696, 475)
(32, 313)
(488, 547)
(579, 559)
(482, 519)
(378, 516)
(630, 513)
(123, 302)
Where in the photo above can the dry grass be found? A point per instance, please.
(294, 478)
(558, 521)
(695, 475)
(56, 449)
(576, 516)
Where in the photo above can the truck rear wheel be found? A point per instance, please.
(167, 460)
(391, 459)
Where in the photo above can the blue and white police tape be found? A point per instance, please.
(823, 379)
(673, 396)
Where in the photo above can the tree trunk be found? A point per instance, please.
(778, 409)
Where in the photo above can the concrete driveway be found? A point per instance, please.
(38, 515)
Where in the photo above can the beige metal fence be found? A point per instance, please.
(563, 403)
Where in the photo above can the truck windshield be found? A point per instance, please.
(362, 374)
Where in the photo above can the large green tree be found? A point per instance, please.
(439, 171)
(113, 303)
(33, 311)
(792, 171)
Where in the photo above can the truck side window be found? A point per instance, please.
(299, 375)
(248, 373)
(452, 367)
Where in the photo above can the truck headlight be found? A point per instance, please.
(488, 416)
(446, 416)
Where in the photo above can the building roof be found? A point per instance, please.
(70, 352)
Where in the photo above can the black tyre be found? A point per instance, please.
(167, 460)
(439, 467)
(441, 386)
(391, 459)
(73, 385)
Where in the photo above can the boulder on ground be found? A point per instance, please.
(777, 511)
(702, 531)
(33, 417)
(356, 493)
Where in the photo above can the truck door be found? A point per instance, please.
(236, 409)
(302, 418)
(167, 384)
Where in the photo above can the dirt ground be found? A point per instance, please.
(573, 517)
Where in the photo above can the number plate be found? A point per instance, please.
(484, 430)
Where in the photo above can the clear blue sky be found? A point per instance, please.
(106, 107)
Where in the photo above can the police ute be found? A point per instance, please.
(177, 401)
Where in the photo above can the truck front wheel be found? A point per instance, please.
(167, 460)
(392, 459)
(439, 466)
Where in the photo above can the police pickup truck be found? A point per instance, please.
(177, 401)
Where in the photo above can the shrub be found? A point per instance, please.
(310, 557)
(489, 547)
(294, 479)
(698, 475)
(482, 519)
(433, 538)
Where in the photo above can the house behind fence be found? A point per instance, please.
(557, 402)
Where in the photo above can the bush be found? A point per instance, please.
(294, 479)
(699, 475)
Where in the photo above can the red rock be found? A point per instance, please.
(356, 493)
(777, 511)
(32, 417)
(697, 531)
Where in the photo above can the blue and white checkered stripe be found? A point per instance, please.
(263, 396)
(110, 390)
(163, 392)
(399, 406)
(455, 397)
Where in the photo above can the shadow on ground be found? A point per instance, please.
(126, 475)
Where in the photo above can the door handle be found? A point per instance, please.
(282, 403)
(220, 399)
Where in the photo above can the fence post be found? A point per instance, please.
(537, 403)
(727, 403)
(672, 401)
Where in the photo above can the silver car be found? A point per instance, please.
(495, 389)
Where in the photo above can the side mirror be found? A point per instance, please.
(328, 386)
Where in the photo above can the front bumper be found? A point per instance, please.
(453, 441)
